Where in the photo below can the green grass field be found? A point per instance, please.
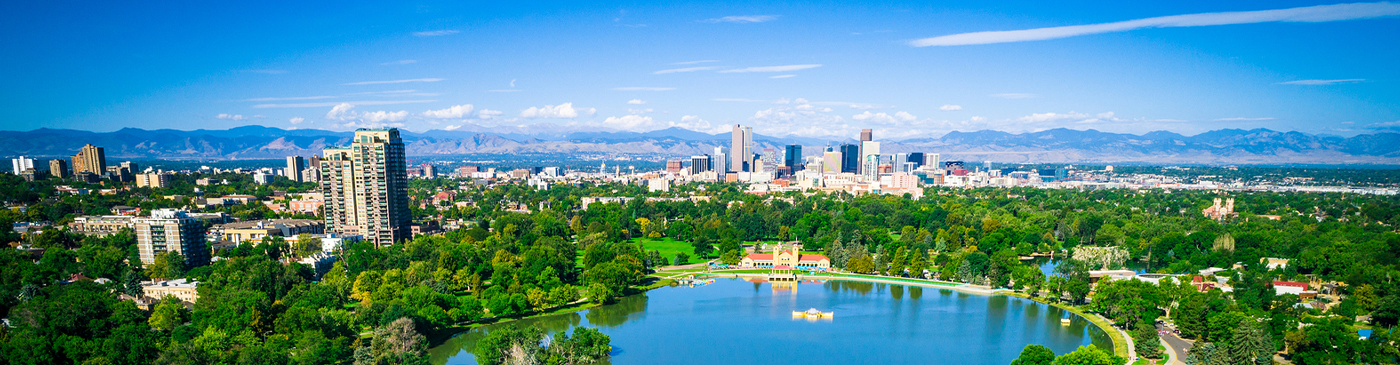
(668, 247)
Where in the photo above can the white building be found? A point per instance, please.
(20, 164)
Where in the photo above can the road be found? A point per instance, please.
(1177, 345)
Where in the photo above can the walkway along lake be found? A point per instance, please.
(739, 321)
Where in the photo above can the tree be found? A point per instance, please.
(1387, 312)
(599, 293)
(1145, 341)
(1087, 355)
(168, 314)
(167, 265)
(681, 259)
(395, 343)
(1034, 355)
(1251, 344)
(510, 345)
(861, 265)
(307, 245)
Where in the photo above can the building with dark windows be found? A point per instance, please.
(850, 158)
(792, 158)
(366, 187)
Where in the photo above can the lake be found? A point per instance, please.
(738, 321)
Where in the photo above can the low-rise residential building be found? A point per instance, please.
(252, 231)
(183, 289)
(101, 225)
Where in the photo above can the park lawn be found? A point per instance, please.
(668, 247)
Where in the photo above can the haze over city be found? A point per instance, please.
(905, 69)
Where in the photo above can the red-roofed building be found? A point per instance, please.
(786, 257)
(1289, 287)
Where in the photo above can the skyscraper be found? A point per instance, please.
(831, 161)
(792, 158)
(294, 166)
(850, 158)
(917, 158)
(21, 164)
(741, 148)
(870, 159)
(58, 168)
(365, 185)
(720, 161)
(699, 164)
(866, 135)
(171, 230)
(90, 159)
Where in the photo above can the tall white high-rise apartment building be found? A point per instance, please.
(171, 230)
(20, 164)
(366, 187)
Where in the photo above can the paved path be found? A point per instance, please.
(1176, 345)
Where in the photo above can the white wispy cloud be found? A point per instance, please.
(452, 127)
(296, 120)
(950, 107)
(488, 113)
(867, 116)
(363, 102)
(291, 98)
(1321, 82)
(454, 112)
(1238, 119)
(742, 19)
(399, 62)
(1310, 14)
(687, 69)
(773, 68)
(781, 76)
(1013, 95)
(392, 81)
(639, 111)
(636, 102)
(346, 112)
(562, 111)
(434, 33)
(643, 88)
(694, 62)
(230, 116)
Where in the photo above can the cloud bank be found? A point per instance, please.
(1310, 14)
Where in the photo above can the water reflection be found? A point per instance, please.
(730, 320)
(627, 309)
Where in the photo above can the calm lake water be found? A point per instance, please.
(737, 321)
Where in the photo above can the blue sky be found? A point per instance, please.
(814, 69)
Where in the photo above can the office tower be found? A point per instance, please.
(986, 166)
(153, 180)
(20, 164)
(792, 158)
(59, 168)
(870, 159)
(720, 161)
(741, 148)
(429, 171)
(171, 230)
(917, 158)
(898, 161)
(673, 166)
(850, 158)
(130, 167)
(699, 164)
(831, 161)
(365, 185)
(294, 166)
(932, 160)
(90, 159)
(866, 135)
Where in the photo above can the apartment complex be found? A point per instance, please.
(153, 180)
(171, 230)
(365, 185)
(90, 159)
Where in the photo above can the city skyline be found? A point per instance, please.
(904, 70)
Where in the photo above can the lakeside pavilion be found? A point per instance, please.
(787, 255)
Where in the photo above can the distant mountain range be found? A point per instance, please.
(1226, 146)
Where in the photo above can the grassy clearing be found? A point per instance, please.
(668, 247)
